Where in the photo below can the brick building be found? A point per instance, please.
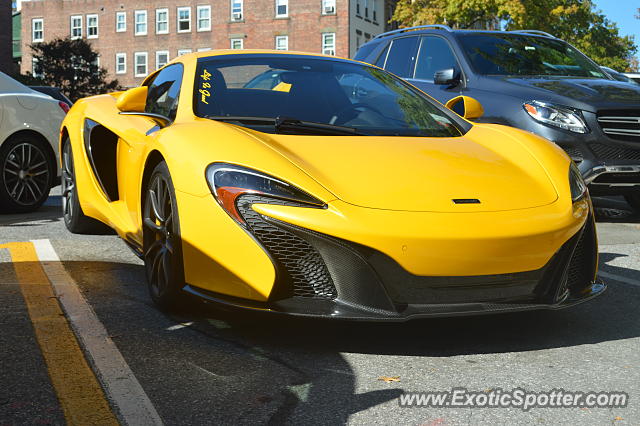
(136, 37)
(6, 61)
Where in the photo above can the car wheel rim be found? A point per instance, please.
(159, 235)
(26, 174)
(68, 183)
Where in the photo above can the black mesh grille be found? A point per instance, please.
(609, 152)
(580, 269)
(574, 153)
(297, 259)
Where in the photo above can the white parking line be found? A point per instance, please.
(619, 278)
(119, 383)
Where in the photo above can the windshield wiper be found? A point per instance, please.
(293, 126)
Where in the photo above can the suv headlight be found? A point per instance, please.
(576, 184)
(558, 116)
(228, 182)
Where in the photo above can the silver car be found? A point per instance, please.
(29, 129)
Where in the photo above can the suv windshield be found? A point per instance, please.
(517, 54)
(303, 95)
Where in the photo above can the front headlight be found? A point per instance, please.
(576, 184)
(558, 116)
(228, 182)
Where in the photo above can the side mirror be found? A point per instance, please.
(471, 108)
(132, 100)
(447, 77)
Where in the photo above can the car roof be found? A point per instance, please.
(444, 29)
(9, 85)
(225, 52)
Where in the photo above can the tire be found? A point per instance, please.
(634, 201)
(27, 169)
(162, 245)
(74, 218)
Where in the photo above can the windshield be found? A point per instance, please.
(301, 91)
(514, 54)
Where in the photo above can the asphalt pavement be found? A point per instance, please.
(205, 366)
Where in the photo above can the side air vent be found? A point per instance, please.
(101, 146)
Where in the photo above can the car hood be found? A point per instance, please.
(422, 174)
(584, 93)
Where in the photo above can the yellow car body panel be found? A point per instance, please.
(519, 227)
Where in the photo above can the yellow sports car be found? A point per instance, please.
(317, 186)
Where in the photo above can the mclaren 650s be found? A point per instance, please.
(316, 186)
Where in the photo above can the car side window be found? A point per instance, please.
(164, 91)
(434, 55)
(402, 56)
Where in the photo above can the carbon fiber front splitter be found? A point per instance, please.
(320, 308)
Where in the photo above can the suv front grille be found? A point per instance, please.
(296, 259)
(609, 152)
(620, 124)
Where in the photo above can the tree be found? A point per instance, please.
(576, 21)
(71, 65)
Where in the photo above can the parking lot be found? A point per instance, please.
(207, 366)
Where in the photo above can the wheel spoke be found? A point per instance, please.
(151, 224)
(154, 206)
(28, 185)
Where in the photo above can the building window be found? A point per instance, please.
(282, 8)
(76, 27)
(373, 11)
(37, 30)
(183, 51)
(204, 18)
(358, 8)
(121, 63)
(121, 22)
(237, 43)
(282, 42)
(162, 21)
(184, 19)
(236, 10)
(92, 26)
(162, 58)
(329, 43)
(141, 22)
(141, 64)
(36, 69)
(328, 7)
(366, 8)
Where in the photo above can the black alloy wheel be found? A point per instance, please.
(162, 244)
(26, 170)
(74, 218)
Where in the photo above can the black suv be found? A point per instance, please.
(530, 80)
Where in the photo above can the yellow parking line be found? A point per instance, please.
(80, 395)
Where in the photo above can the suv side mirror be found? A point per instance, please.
(447, 76)
(132, 100)
(472, 108)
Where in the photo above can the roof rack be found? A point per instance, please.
(535, 32)
(419, 27)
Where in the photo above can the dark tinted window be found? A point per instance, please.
(382, 57)
(338, 93)
(435, 55)
(402, 56)
(164, 91)
(363, 53)
(516, 54)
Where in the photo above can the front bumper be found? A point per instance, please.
(323, 276)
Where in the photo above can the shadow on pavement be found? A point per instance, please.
(614, 210)
(50, 212)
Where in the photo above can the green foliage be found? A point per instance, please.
(71, 65)
(576, 21)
